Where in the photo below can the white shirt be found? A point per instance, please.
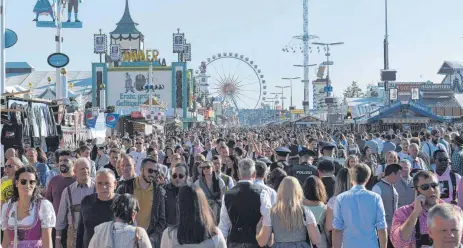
(271, 192)
(230, 182)
(46, 215)
(265, 206)
(137, 158)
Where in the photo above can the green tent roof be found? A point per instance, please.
(126, 25)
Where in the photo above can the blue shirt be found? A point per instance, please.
(42, 170)
(359, 213)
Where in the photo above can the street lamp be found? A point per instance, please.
(282, 97)
(291, 85)
(327, 63)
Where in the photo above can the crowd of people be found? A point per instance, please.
(274, 186)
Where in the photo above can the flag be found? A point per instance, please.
(111, 120)
(90, 119)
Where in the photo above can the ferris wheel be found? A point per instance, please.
(235, 80)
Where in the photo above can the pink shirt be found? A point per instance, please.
(400, 216)
(446, 186)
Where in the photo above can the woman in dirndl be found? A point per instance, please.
(43, 7)
(27, 219)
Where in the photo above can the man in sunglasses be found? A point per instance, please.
(151, 197)
(178, 179)
(448, 179)
(409, 222)
(11, 166)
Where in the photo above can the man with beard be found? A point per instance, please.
(68, 213)
(448, 179)
(432, 143)
(151, 196)
(58, 183)
(178, 179)
(409, 227)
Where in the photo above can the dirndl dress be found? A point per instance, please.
(43, 7)
(28, 236)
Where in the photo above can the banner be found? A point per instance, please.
(111, 120)
(90, 119)
(115, 52)
(99, 43)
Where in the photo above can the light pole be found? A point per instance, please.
(282, 96)
(290, 85)
(386, 39)
(327, 63)
(306, 82)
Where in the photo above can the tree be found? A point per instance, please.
(353, 91)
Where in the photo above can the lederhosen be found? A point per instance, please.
(73, 4)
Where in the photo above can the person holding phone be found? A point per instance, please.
(409, 228)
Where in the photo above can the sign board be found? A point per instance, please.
(392, 94)
(435, 87)
(58, 60)
(415, 93)
(126, 89)
(10, 38)
(115, 52)
(99, 43)
(178, 42)
(136, 115)
(392, 85)
(187, 52)
(335, 119)
(328, 63)
(404, 92)
(297, 111)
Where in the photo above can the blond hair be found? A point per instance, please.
(289, 204)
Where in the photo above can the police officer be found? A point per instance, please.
(304, 169)
(327, 150)
(281, 156)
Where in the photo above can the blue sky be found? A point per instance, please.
(423, 33)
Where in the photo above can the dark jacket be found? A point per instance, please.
(171, 204)
(158, 209)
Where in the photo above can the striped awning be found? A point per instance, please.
(410, 120)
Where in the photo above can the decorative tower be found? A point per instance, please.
(126, 33)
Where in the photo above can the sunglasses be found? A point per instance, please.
(139, 143)
(206, 167)
(426, 186)
(31, 182)
(174, 176)
(10, 166)
(151, 171)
